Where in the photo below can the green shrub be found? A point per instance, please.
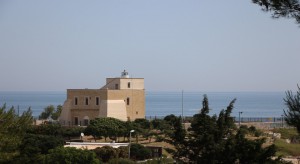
(139, 152)
(120, 161)
(106, 153)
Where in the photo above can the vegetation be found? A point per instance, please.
(12, 131)
(34, 147)
(210, 139)
(292, 114)
(287, 133)
(139, 152)
(51, 112)
(106, 153)
(61, 155)
(106, 127)
(286, 149)
(281, 8)
(120, 161)
(213, 139)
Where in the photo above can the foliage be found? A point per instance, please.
(12, 131)
(47, 129)
(179, 132)
(171, 119)
(120, 161)
(106, 153)
(160, 160)
(281, 8)
(286, 133)
(213, 139)
(139, 152)
(122, 152)
(34, 146)
(61, 155)
(160, 124)
(106, 127)
(286, 149)
(57, 112)
(143, 123)
(69, 132)
(292, 114)
(51, 112)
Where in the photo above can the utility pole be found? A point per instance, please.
(182, 106)
(240, 118)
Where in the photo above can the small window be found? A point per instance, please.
(76, 101)
(97, 100)
(76, 120)
(86, 101)
(116, 86)
(128, 101)
(128, 85)
(136, 112)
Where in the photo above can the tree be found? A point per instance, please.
(171, 119)
(292, 114)
(106, 153)
(69, 132)
(281, 8)
(106, 127)
(12, 131)
(179, 132)
(61, 155)
(51, 112)
(213, 139)
(57, 112)
(47, 129)
(35, 146)
(139, 152)
(47, 112)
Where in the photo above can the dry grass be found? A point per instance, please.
(286, 149)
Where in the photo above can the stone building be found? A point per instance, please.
(122, 98)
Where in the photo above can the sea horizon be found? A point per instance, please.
(162, 103)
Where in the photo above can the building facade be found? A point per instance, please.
(122, 98)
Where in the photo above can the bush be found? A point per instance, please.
(106, 153)
(139, 152)
(159, 138)
(120, 161)
(71, 155)
(122, 152)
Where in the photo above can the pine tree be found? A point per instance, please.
(12, 131)
(213, 139)
(292, 114)
(281, 8)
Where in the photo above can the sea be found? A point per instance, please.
(162, 103)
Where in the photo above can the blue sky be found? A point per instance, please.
(173, 44)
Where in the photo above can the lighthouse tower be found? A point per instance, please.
(124, 74)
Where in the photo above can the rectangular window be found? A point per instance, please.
(86, 101)
(128, 85)
(76, 101)
(128, 101)
(85, 122)
(76, 120)
(116, 86)
(97, 100)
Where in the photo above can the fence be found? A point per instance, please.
(242, 119)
